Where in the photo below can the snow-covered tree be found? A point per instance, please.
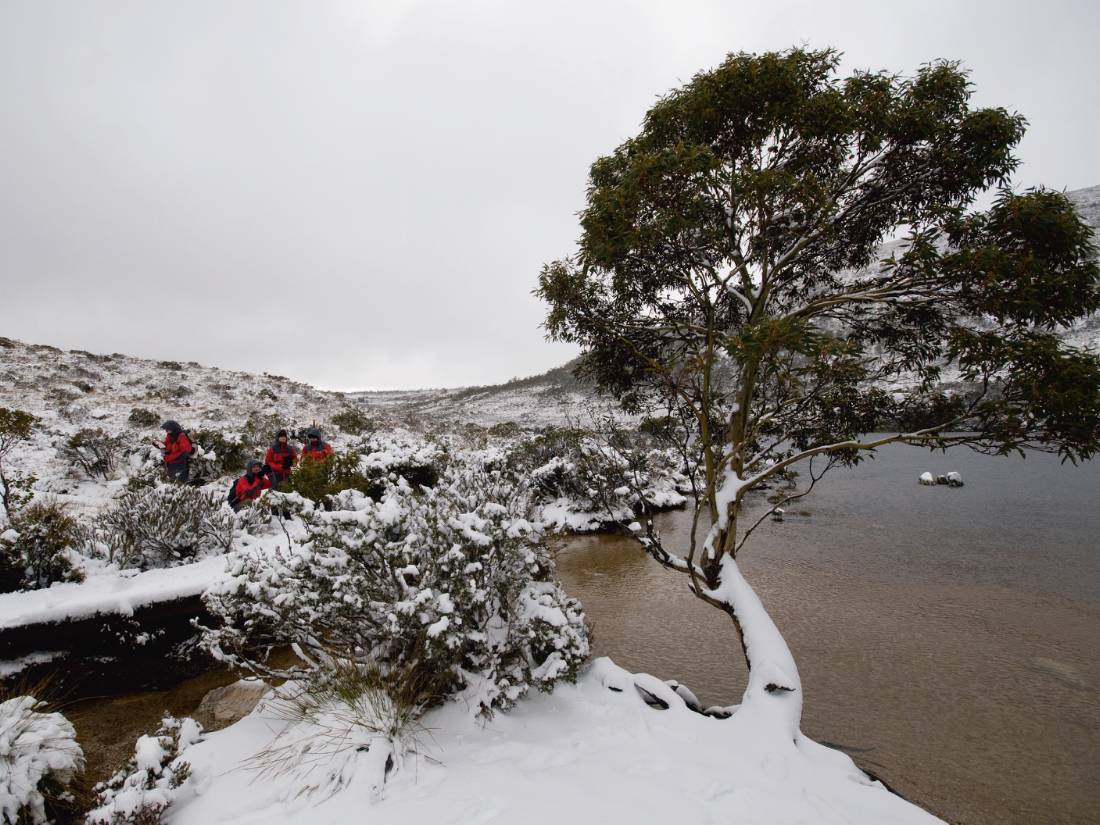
(728, 280)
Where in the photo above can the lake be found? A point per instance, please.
(946, 638)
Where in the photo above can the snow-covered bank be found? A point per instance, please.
(108, 594)
(593, 752)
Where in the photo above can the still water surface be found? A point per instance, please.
(946, 638)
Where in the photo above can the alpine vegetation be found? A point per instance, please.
(421, 596)
(39, 757)
(141, 791)
(727, 279)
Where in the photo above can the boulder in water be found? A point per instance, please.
(927, 478)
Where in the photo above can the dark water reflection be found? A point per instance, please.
(946, 637)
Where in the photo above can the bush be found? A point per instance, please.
(259, 431)
(175, 366)
(318, 480)
(37, 551)
(95, 452)
(354, 421)
(15, 426)
(443, 592)
(229, 454)
(139, 793)
(39, 757)
(341, 712)
(143, 417)
(505, 429)
(165, 525)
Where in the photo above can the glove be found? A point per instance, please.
(267, 469)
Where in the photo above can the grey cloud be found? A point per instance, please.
(361, 194)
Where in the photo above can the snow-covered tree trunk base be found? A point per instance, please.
(774, 693)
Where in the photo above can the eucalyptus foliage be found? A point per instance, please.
(729, 279)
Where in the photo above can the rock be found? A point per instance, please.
(954, 479)
(927, 478)
(223, 706)
(719, 712)
(777, 514)
(651, 699)
(685, 693)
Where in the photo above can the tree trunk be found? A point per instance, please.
(774, 688)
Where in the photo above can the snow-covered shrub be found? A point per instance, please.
(318, 480)
(15, 426)
(446, 590)
(39, 756)
(139, 793)
(346, 711)
(163, 525)
(505, 429)
(585, 480)
(403, 454)
(143, 417)
(217, 454)
(38, 549)
(353, 420)
(94, 451)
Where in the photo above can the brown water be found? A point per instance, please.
(107, 727)
(947, 638)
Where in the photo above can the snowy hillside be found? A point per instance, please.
(73, 390)
(549, 399)
(556, 396)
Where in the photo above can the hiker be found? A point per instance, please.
(280, 458)
(315, 448)
(177, 449)
(256, 479)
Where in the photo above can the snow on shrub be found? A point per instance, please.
(402, 453)
(38, 757)
(354, 420)
(447, 590)
(165, 525)
(139, 793)
(584, 481)
(38, 549)
(95, 452)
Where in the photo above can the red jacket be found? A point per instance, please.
(323, 451)
(177, 449)
(245, 490)
(281, 462)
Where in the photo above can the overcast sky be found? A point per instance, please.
(360, 194)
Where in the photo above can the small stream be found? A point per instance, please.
(946, 638)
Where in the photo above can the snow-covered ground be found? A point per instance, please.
(590, 753)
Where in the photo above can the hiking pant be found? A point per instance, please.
(179, 471)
